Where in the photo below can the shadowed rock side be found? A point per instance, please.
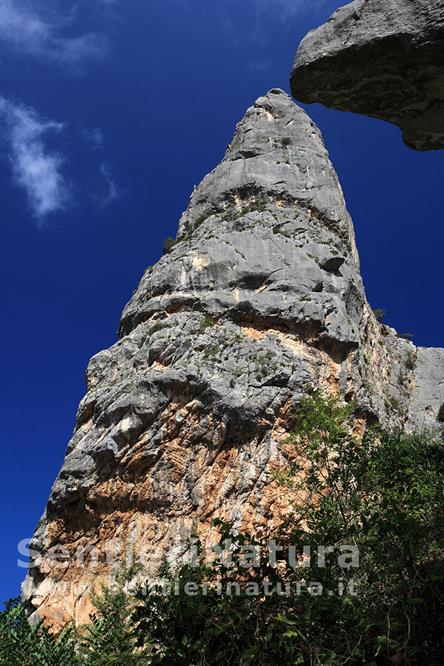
(187, 415)
(381, 58)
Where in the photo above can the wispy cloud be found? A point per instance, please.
(260, 65)
(35, 168)
(107, 190)
(94, 137)
(287, 8)
(27, 29)
(257, 21)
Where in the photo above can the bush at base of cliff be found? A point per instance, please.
(380, 493)
(22, 644)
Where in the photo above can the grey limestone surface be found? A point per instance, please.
(259, 300)
(381, 58)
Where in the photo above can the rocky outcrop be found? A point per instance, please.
(186, 417)
(382, 58)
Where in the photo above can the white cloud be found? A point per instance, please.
(27, 30)
(107, 190)
(260, 65)
(37, 170)
(255, 23)
(286, 8)
(94, 137)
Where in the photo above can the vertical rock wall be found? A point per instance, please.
(186, 416)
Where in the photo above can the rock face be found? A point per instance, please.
(382, 58)
(187, 415)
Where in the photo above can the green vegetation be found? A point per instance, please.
(212, 351)
(24, 645)
(201, 219)
(158, 326)
(381, 494)
(278, 229)
(206, 322)
(406, 336)
(379, 314)
(257, 205)
(168, 244)
(410, 363)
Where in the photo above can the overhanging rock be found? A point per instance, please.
(381, 58)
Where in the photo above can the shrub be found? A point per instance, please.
(383, 492)
(205, 323)
(406, 336)
(158, 326)
(379, 314)
(168, 244)
(110, 639)
(410, 362)
(22, 644)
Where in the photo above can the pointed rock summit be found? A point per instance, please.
(187, 415)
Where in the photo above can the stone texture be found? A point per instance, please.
(382, 58)
(428, 389)
(187, 415)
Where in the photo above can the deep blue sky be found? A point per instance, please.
(140, 108)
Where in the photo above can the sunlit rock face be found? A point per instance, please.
(382, 58)
(186, 417)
